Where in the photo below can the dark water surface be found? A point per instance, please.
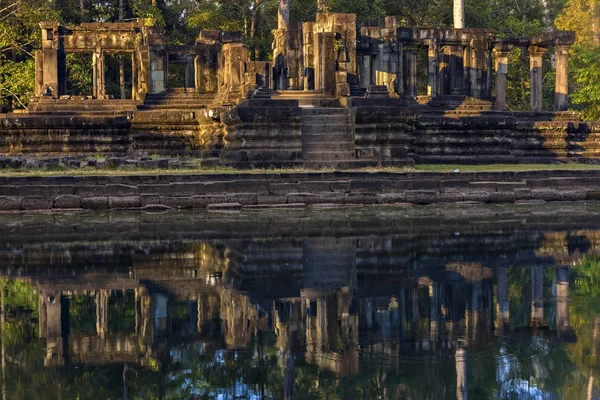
(465, 302)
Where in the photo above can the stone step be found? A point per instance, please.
(172, 106)
(327, 155)
(332, 145)
(331, 120)
(298, 93)
(320, 134)
(325, 111)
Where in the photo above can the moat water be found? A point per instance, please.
(456, 302)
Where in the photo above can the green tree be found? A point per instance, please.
(583, 17)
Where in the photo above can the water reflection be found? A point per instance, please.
(367, 305)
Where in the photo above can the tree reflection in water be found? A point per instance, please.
(414, 313)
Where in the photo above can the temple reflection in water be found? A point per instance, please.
(418, 310)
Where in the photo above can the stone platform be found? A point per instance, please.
(282, 131)
(235, 191)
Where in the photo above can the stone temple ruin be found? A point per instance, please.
(334, 94)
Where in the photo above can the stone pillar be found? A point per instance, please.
(411, 74)
(283, 14)
(134, 78)
(537, 295)
(561, 90)
(434, 310)
(432, 78)
(501, 66)
(461, 374)
(535, 72)
(502, 311)
(459, 14)
(157, 71)
(101, 313)
(563, 322)
(39, 73)
(99, 86)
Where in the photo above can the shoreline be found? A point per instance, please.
(292, 189)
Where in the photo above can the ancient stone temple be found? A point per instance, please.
(336, 93)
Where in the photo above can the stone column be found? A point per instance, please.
(432, 68)
(561, 90)
(434, 310)
(537, 295)
(101, 313)
(461, 374)
(283, 14)
(563, 322)
(99, 86)
(459, 14)
(501, 66)
(535, 72)
(502, 311)
(134, 78)
(411, 74)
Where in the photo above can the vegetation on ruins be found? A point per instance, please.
(183, 19)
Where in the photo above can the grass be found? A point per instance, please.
(504, 167)
(83, 171)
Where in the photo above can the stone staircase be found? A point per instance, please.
(177, 99)
(327, 138)
(306, 98)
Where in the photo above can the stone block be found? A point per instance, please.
(271, 199)
(360, 198)
(95, 203)
(177, 202)
(45, 190)
(37, 202)
(421, 196)
(248, 186)
(503, 197)
(391, 198)
(121, 190)
(314, 186)
(365, 186)
(10, 203)
(204, 200)
(9, 190)
(147, 199)
(332, 198)
(545, 194)
(306, 198)
(245, 199)
(340, 186)
(124, 202)
(477, 196)
(425, 184)
(89, 190)
(592, 194)
(160, 189)
(224, 206)
(572, 195)
(283, 188)
(450, 196)
(522, 194)
(67, 201)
